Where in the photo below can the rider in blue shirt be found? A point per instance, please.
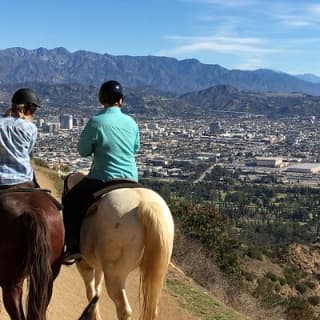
(17, 139)
(113, 139)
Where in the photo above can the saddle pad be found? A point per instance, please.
(129, 184)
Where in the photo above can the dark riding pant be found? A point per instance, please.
(77, 201)
(75, 204)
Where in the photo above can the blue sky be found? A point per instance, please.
(281, 35)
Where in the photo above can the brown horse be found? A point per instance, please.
(31, 245)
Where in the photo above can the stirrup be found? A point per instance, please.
(71, 258)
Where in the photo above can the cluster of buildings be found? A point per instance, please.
(176, 148)
(65, 122)
(288, 165)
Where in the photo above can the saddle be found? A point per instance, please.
(47, 192)
(116, 184)
(110, 186)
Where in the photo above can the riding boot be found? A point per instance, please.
(72, 251)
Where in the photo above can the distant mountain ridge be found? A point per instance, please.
(19, 65)
(226, 98)
(221, 98)
(309, 77)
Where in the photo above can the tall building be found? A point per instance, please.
(40, 123)
(215, 127)
(51, 127)
(66, 121)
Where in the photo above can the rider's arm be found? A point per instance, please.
(88, 138)
(33, 140)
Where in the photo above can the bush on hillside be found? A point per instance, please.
(249, 276)
(310, 284)
(270, 275)
(298, 309)
(301, 287)
(314, 300)
(265, 291)
(214, 231)
(282, 281)
(255, 253)
(292, 275)
(39, 162)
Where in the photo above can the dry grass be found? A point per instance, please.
(193, 261)
(198, 301)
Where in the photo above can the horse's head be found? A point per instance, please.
(71, 179)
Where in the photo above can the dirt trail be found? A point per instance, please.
(69, 298)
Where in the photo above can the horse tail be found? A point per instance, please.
(88, 311)
(156, 256)
(38, 267)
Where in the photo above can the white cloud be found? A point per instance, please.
(262, 35)
(299, 16)
(314, 9)
(219, 44)
(251, 64)
(296, 21)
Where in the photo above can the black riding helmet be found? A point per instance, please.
(110, 92)
(25, 96)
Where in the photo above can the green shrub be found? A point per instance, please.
(249, 276)
(296, 303)
(277, 287)
(292, 276)
(282, 281)
(314, 300)
(271, 276)
(265, 293)
(39, 162)
(298, 309)
(255, 253)
(310, 284)
(214, 231)
(301, 287)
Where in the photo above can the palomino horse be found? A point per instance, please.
(125, 229)
(31, 245)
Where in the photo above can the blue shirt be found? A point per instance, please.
(113, 138)
(17, 140)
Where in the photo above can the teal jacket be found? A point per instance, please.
(113, 138)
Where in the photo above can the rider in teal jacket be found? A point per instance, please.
(113, 139)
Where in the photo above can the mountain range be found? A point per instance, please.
(309, 77)
(155, 85)
(272, 104)
(19, 65)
